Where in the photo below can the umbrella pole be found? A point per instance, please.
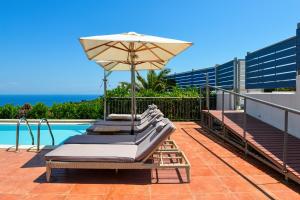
(132, 97)
(104, 95)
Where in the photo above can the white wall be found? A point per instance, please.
(271, 115)
(274, 116)
(268, 114)
(228, 101)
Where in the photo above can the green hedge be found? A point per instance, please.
(82, 110)
(89, 109)
(9, 111)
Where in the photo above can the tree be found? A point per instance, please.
(155, 81)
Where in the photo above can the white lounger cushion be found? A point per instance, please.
(127, 122)
(93, 153)
(127, 117)
(122, 117)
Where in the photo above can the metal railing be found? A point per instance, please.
(246, 99)
(39, 133)
(174, 108)
(23, 120)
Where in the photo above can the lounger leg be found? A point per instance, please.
(48, 173)
(188, 174)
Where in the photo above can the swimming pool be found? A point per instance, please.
(60, 132)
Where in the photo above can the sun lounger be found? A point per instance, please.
(127, 117)
(145, 155)
(97, 129)
(114, 139)
(126, 122)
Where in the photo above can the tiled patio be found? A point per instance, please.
(218, 172)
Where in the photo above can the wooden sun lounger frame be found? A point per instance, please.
(167, 150)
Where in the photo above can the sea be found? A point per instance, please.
(49, 100)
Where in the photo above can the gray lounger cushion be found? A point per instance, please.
(93, 153)
(101, 139)
(113, 139)
(150, 143)
(105, 129)
(97, 128)
(112, 153)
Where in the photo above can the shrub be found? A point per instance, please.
(9, 111)
(89, 111)
(38, 111)
(23, 111)
(63, 111)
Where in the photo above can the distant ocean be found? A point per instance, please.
(46, 99)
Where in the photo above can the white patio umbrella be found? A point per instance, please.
(132, 51)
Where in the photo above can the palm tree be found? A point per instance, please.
(155, 81)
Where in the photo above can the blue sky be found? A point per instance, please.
(40, 52)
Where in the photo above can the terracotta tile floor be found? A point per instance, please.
(218, 172)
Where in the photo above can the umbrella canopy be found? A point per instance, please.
(120, 66)
(121, 47)
(132, 51)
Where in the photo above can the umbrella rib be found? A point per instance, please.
(158, 61)
(153, 53)
(112, 66)
(137, 49)
(95, 47)
(155, 65)
(127, 49)
(116, 47)
(144, 49)
(104, 65)
(163, 49)
(117, 64)
(100, 52)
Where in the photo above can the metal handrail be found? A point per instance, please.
(291, 110)
(23, 119)
(286, 122)
(39, 133)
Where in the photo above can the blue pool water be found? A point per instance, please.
(60, 131)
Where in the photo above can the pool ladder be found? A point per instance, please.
(39, 133)
(23, 120)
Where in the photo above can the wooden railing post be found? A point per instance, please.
(285, 143)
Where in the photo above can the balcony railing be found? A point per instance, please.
(174, 108)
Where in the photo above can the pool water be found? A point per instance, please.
(60, 132)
